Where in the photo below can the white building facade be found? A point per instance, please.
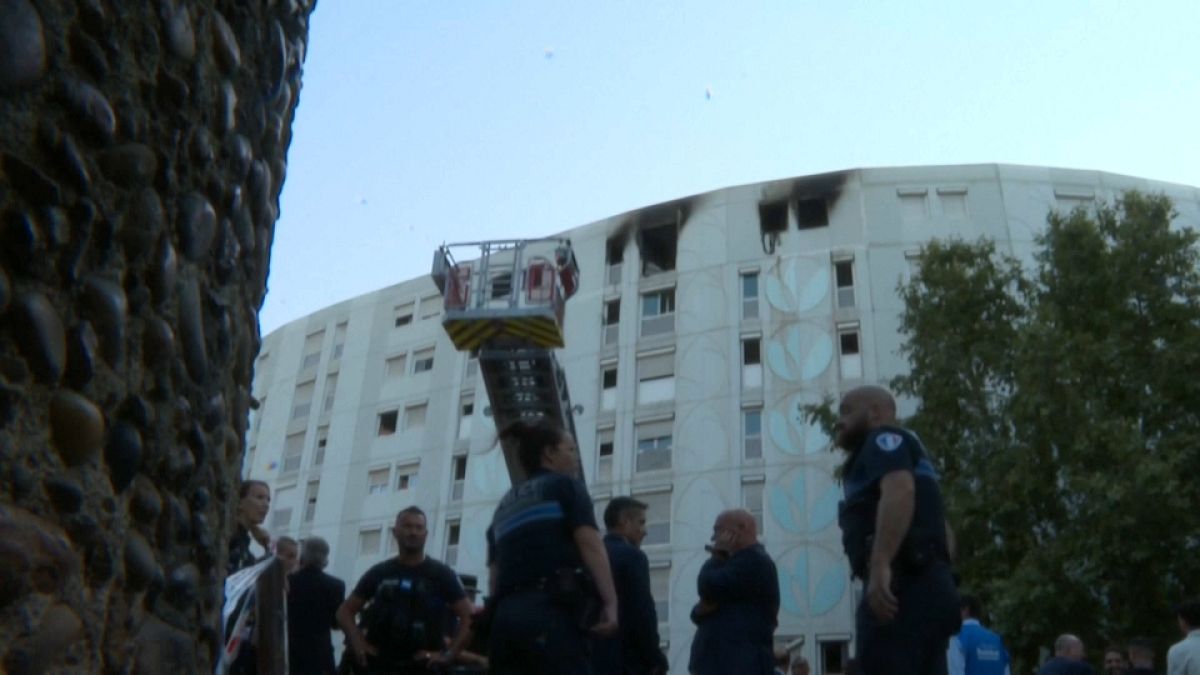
(700, 328)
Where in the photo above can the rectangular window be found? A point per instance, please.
(612, 319)
(302, 400)
(812, 213)
(453, 533)
(293, 451)
(656, 378)
(833, 655)
(310, 500)
(459, 478)
(749, 295)
(752, 501)
(312, 350)
(654, 446)
(750, 352)
(1069, 199)
(658, 517)
(396, 366)
(369, 540)
(773, 217)
(752, 433)
(406, 476)
(431, 306)
(472, 365)
(604, 452)
(954, 202)
(403, 314)
(913, 204)
(658, 312)
(614, 254)
(322, 441)
(660, 588)
(466, 413)
(387, 422)
(752, 373)
(414, 417)
(377, 481)
(423, 361)
(330, 391)
(339, 340)
(258, 414)
(843, 272)
(608, 386)
(658, 244)
(281, 519)
(851, 357)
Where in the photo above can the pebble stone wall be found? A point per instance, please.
(142, 150)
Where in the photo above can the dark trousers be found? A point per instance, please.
(914, 642)
(533, 636)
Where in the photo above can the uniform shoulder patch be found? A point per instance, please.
(888, 441)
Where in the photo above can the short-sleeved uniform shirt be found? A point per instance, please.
(433, 581)
(887, 449)
(532, 532)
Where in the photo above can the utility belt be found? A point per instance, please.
(570, 588)
(913, 558)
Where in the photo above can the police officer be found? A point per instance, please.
(895, 535)
(542, 536)
(404, 601)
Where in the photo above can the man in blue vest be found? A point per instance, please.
(976, 650)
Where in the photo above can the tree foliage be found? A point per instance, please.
(1061, 404)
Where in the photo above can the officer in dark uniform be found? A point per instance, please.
(547, 561)
(895, 535)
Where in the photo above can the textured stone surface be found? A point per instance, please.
(142, 148)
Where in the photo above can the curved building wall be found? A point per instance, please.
(690, 379)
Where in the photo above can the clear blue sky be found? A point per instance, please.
(428, 121)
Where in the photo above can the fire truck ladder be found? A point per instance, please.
(507, 306)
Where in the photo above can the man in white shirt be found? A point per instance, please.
(1184, 656)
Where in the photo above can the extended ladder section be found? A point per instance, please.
(507, 306)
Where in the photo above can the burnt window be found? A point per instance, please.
(772, 217)
(658, 249)
(502, 285)
(614, 251)
(811, 213)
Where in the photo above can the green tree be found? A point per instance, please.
(1061, 404)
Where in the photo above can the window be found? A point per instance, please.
(330, 391)
(312, 350)
(387, 422)
(339, 340)
(656, 378)
(954, 202)
(322, 441)
(502, 286)
(453, 532)
(812, 213)
(258, 414)
(612, 318)
(604, 455)
(614, 254)
(396, 366)
(851, 358)
(466, 412)
(752, 501)
(369, 540)
(459, 478)
(423, 361)
(406, 476)
(752, 433)
(833, 654)
(608, 386)
(403, 314)
(660, 588)
(302, 400)
(843, 272)
(472, 364)
(654, 446)
(658, 245)
(749, 295)
(414, 417)
(913, 205)
(658, 312)
(658, 517)
(293, 451)
(772, 217)
(281, 519)
(1069, 199)
(431, 306)
(310, 500)
(752, 375)
(377, 481)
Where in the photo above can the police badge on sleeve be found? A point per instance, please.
(889, 441)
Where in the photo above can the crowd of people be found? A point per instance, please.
(564, 600)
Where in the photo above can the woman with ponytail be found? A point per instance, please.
(547, 560)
